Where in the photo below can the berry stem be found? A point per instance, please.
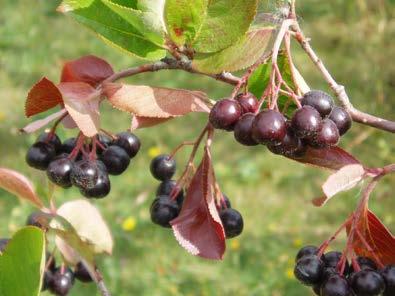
(78, 146)
(111, 135)
(183, 144)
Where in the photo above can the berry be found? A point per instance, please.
(163, 210)
(166, 187)
(243, 130)
(317, 289)
(232, 222)
(335, 285)
(129, 142)
(81, 273)
(328, 135)
(319, 100)
(58, 171)
(163, 167)
(367, 283)
(116, 160)
(225, 114)
(84, 174)
(309, 270)
(388, 273)
(47, 280)
(306, 122)
(68, 145)
(306, 251)
(3, 243)
(269, 127)
(366, 263)
(248, 103)
(61, 282)
(40, 155)
(50, 138)
(225, 203)
(101, 188)
(290, 146)
(105, 141)
(341, 118)
(36, 219)
(332, 258)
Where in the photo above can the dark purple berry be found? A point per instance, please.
(166, 187)
(224, 203)
(37, 219)
(3, 244)
(58, 171)
(341, 118)
(366, 263)
(328, 135)
(225, 114)
(332, 258)
(336, 285)
(62, 281)
(84, 174)
(47, 280)
(319, 100)
(248, 102)
(290, 146)
(163, 167)
(309, 270)
(306, 122)
(50, 138)
(243, 130)
(81, 273)
(163, 210)
(367, 283)
(40, 155)
(269, 127)
(101, 188)
(103, 142)
(317, 289)
(116, 160)
(129, 142)
(68, 145)
(306, 251)
(232, 222)
(388, 273)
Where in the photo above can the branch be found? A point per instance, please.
(339, 90)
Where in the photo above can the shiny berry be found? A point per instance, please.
(116, 160)
(40, 155)
(101, 188)
(163, 167)
(129, 142)
(224, 203)
(269, 127)
(232, 222)
(306, 251)
(58, 171)
(163, 210)
(248, 102)
(50, 138)
(336, 285)
(166, 187)
(309, 270)
(81, 273)
(306, 122)
(367, 283)
(103, 142)
(37, 219)
(290, 146)
(84, 174)
(225, 114)
(341, 118)
(388, 273)
(243, 130)
(366, 263)
(3, 243)
(68, 145)
(62, 281)
(319, 100)
(328, 135)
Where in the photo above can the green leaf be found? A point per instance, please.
(22, 263)
(184, 19)
(259, 79)
(225, 23)
(114, 30)
(238, 56)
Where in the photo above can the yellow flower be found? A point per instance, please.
(154, 151)
(129, 224)
(235, 245)
(289, 273)
(297, 242)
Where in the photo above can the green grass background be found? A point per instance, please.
(354, 38)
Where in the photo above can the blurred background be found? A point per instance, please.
(354, 38)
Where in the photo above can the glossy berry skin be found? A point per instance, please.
(248, 102)
(68, 145)
(163, 167)
(332, 258)
(129, 142)
(3, 243)
(61, 282)
(341, 118)
(232, 222)
(40, 155)
(309, 270)
(103, 141)
(84, 174)
(163, 210)
(82, 274)
(102, 187)
(290, 146)
(306, 122)
(35, 219)
(319, 100)
(269, 127)
(306, 251)
(243, 130)
(328, 135)
(116, 160)
(388, 273)
(52, 139)
(225, 114)
(367, 283)
(58, 171)
(166, 187)
(336, 285)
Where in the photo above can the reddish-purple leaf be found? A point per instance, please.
(141, 122)
(89, 69)
(38, 124)
(198, 228)
(43, 96)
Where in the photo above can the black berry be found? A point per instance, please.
(309, 270)
(290, 146)
(163, 210)
(62, 281)
(388, 273)
(306, 251)
(40, 155)
(82, 274)
(84, 174)
(101, 188)
(68, 145)
(224, 203)
(306, 122)
(248, 102)
(341, 118)
(116, 160)
(225, 114)
(367, 283)
(243, 130)
(336, 285)
(166, 187)
(366, 263)
(163, 167)
(103, 142)
(232, 222)
(328, 135)
(269, 127)
(36, 219)
(50, 138)
(59, 170)
(129, 142)
(3, 243)
(319, 100)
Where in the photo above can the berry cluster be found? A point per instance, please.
(169, 199)
(318, 123)
(85, 164)
(361, 278)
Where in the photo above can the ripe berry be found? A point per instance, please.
(62, 281)
(224, 204)
(328, 135)
(84, 174)
(319, 100)
(341, 118)
(232, 222)
(103, 140)
(40, 155)
(50, 138)
(3, 243)
(243, 130)
(366, 263)
(36, 219)
(367, 283)
(335, 285)
(306, 122)
(388, 273)
(166, 187)
(306, 251)
(225, 114)
(163, 167)
(116, 160)
(317, 289)
(68, 145)
(59, 170)
(309, 270)
(129, 142)
(101, 188)
(332, 258)
(81, 273)
(269, 127)
(248, 102)
(163, 210)
(290, 146)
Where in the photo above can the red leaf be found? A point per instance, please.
(89, 69)
(333, 158)
(141, 122)
(198, 228)
(38, 124)
(43, 96)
